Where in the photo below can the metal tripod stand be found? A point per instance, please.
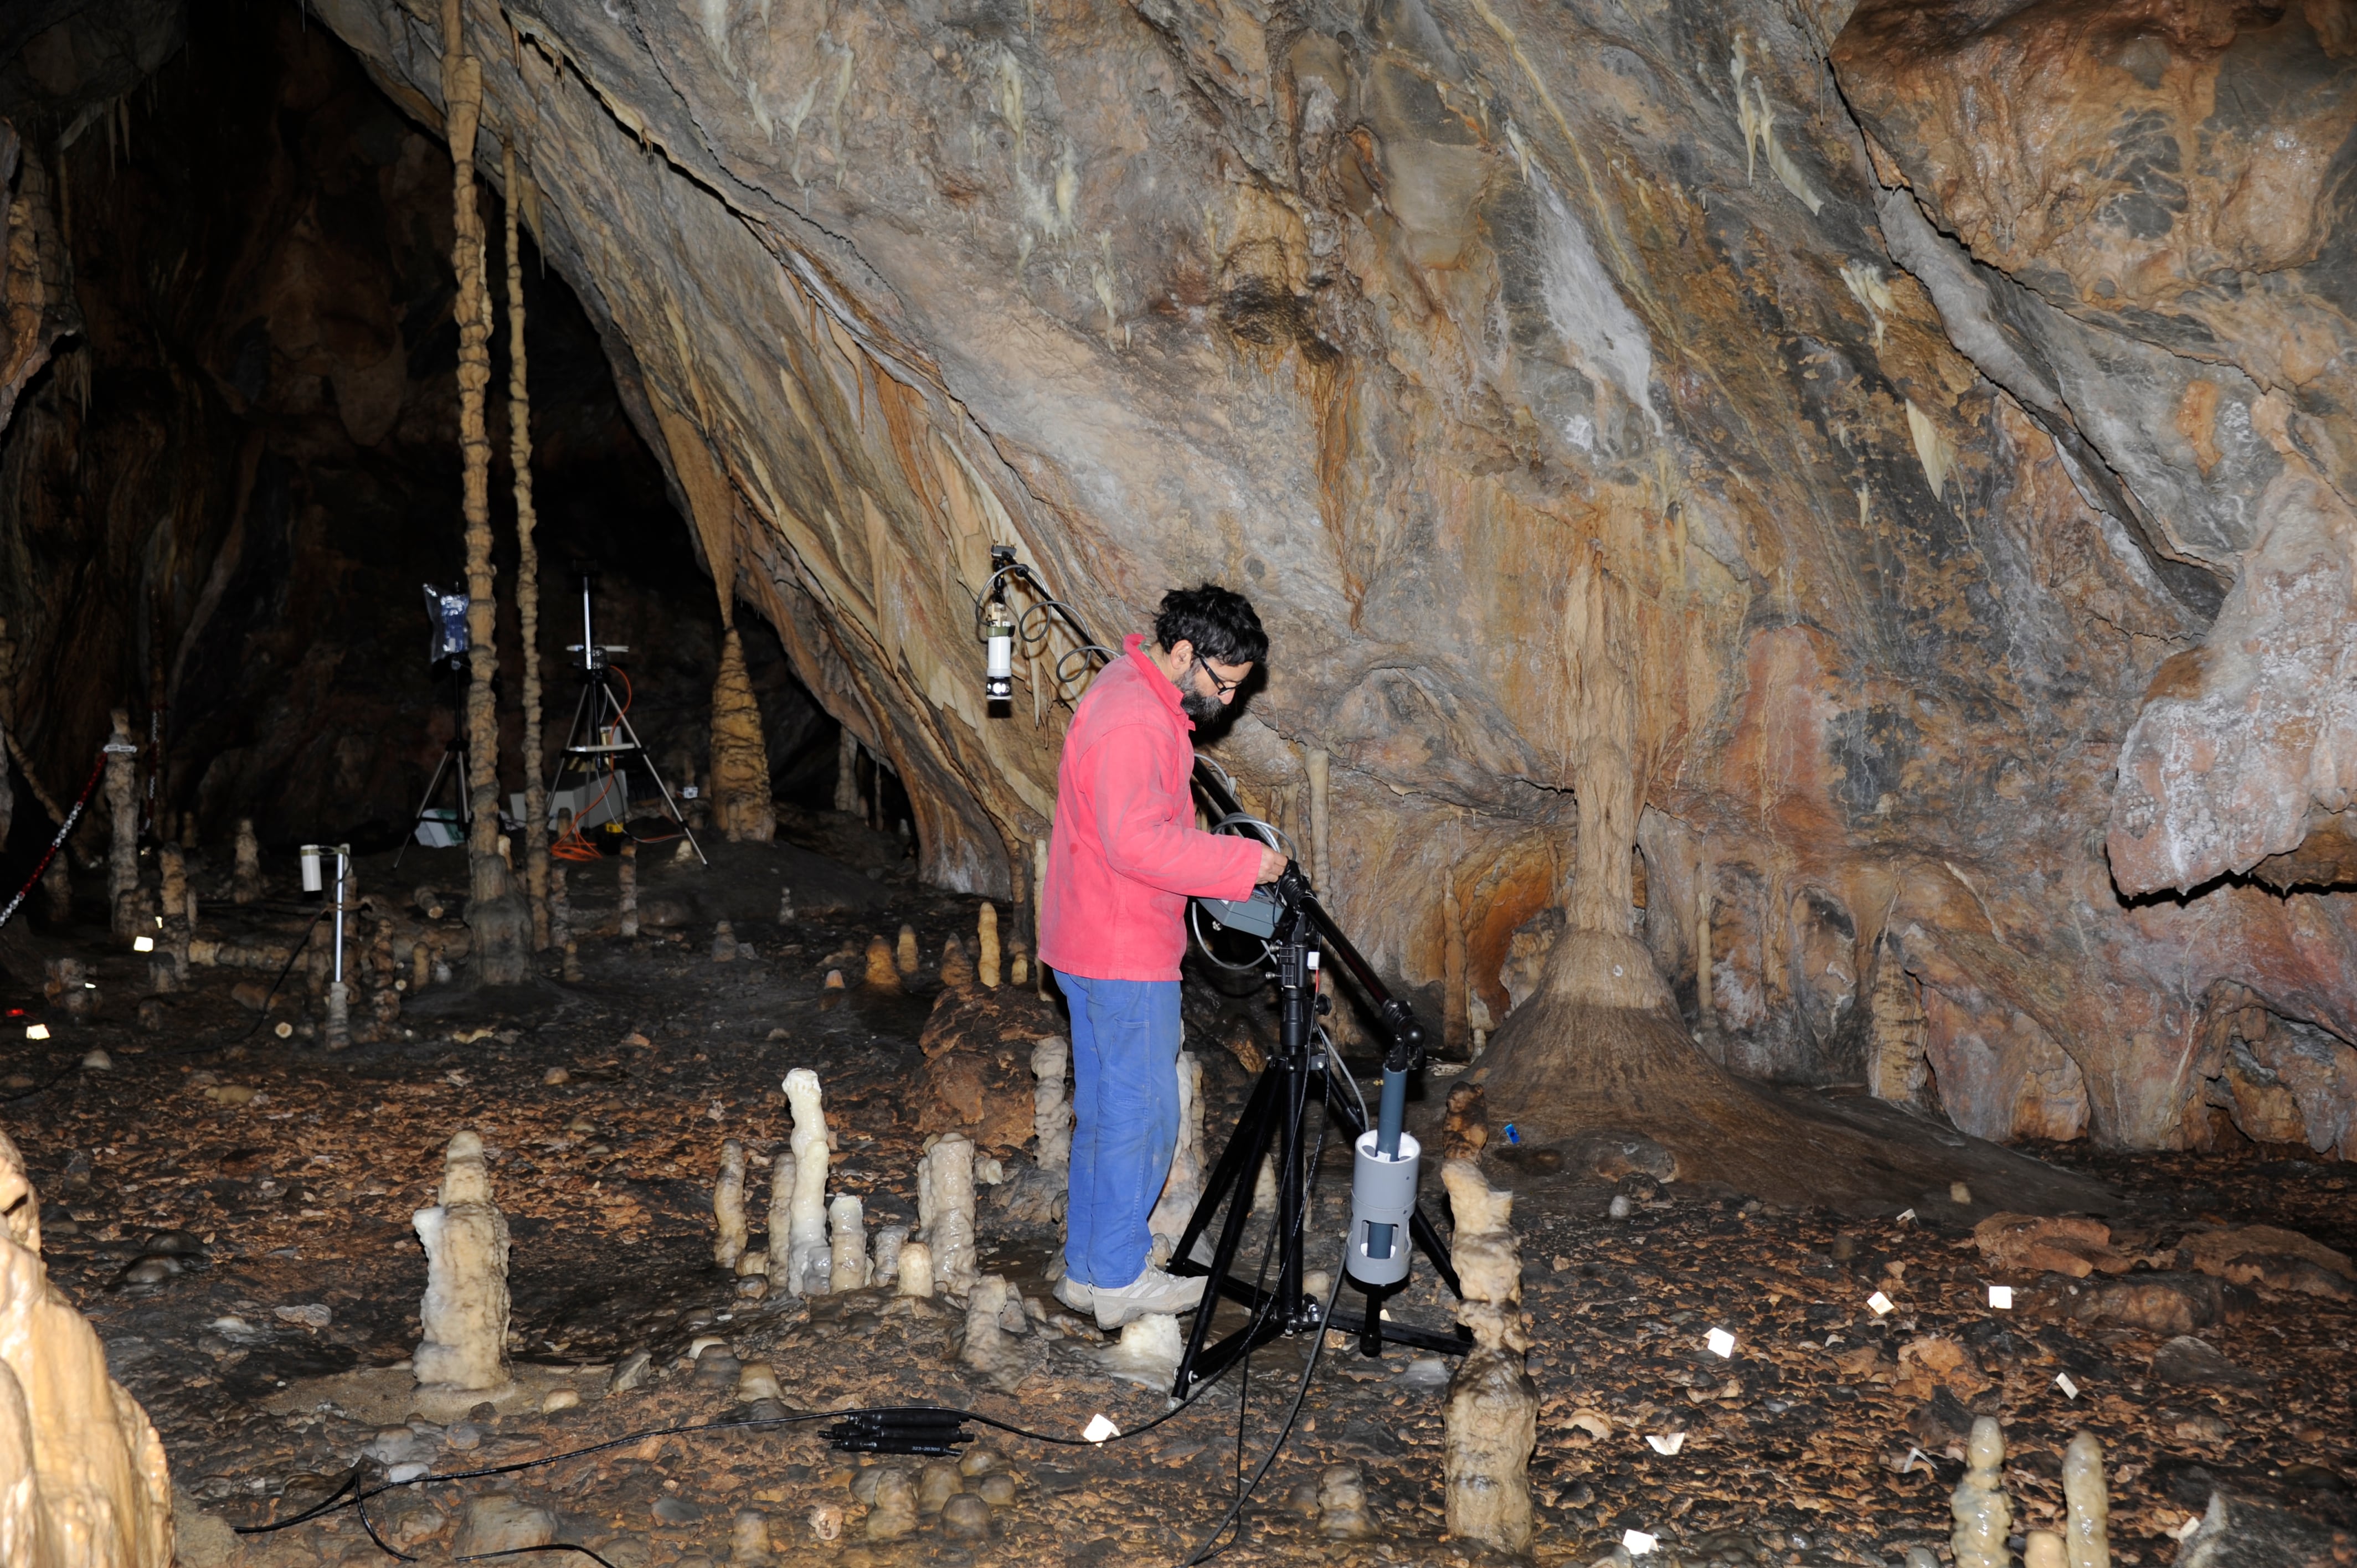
(602, 736)
(455, 751)
(1274, 1114)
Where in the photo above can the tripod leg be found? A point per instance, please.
(623, 720)
(1250, 1140)
(1224, 1174)
(433, 788)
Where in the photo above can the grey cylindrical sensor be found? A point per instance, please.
(1382, 1196)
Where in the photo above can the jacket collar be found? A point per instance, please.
(1156, 680)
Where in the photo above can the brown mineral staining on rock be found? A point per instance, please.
(883, 973)
(1983, 1516)
(2068, 1244)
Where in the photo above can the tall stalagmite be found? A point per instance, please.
(495, 914)
(535, 785)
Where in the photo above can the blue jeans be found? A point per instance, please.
(1126, 1038)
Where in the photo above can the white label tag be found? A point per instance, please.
(1099, 1429)
(1720, 1341)
(2001, 1297)
(1905, 1215)
(1881, 1303)
(1669, 1444)
(2069, 1389)
(1636, 1543)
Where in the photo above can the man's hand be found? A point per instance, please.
(1271, 865)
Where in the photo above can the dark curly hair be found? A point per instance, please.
(1220, 624)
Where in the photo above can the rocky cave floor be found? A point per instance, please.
(280, 1178)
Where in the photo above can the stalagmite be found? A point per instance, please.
(1051, 1116)
(886, 1268)
(627, 879)
(893, 1514)
(1983, 1516)
(781, 1213)
(57, 887)
(846, 1226)
(499, 918)
(740, 760)
(724, 942)
(916, 1269)
(1343, 1504)
(957, 970)
(883, 974)
(2086, 1531)
(465, 1314)
(988, 1348)
(122, 808)
(1019, 966)
(2043, 1549)
(728, 1205)
(535, 785)
(809, 1265)
(986, 946)
(1184, 1186)
(1321, 770)
(82, 1477)
(785, 906)
(949, 1228)
(1491, 1422)
(1148, 1352)
(749, 1539)
(245, 875)
(904, 956)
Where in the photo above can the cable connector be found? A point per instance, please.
(917, 1429)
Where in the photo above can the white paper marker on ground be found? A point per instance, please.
(1099, 1429)
(1720, 1341)
(1669, 1444)
(1636, 1543)
(1881, 1303)
(2069, 1389)
(2001, 1297)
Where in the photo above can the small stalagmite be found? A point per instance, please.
(847, 1224)
(1147, 1352)
(1491, 1422)
(916, 1263)
(57, 887)
(728, 1205)
(986, 946)
(989, 1348)
(465, 1314)
(957, 970)
(781, 1213)
(883, 974)
(627, 878)
(809, 1260)
(82, 1477)
(904, 955)
(724, 942)
(1019, 967)
(2086, 1531)
(123, 806)
(1051, 1115)
(245, 873)
(948, 1177)
(886, 1268)
(1184, 1186)
(1982, 1515)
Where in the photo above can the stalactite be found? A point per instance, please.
(494, 913)
(536, 787)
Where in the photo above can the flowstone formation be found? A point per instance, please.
(83, 1478)
(1652, 440)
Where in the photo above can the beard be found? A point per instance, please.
(1203, 710)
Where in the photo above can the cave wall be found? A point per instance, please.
(222, 499)
(1434, 325)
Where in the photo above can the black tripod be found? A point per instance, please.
(448, 668)
(1274, 1114)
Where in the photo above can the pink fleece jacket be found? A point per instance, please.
(1125, 854)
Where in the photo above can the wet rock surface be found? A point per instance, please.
(273, 1361)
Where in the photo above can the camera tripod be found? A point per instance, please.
(448, 670)
(602, 736)
(1274, 1114)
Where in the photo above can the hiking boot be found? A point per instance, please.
(1076, 1296)
(1152, 1291)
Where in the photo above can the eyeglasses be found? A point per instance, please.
(1221, 688)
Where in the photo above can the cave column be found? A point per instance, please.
(535, 785)
(495, 915)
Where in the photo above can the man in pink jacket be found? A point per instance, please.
(1122, 859)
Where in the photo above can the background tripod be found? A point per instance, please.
(448, 670)
(602, 736)
(1274, 1114)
